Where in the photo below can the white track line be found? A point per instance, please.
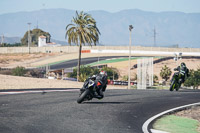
(146, 124)
(36, 91)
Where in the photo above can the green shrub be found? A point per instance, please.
(165, 73)
(155, 78)
(111, 72)
(125, 78)
(87, 71)
(18, 71)
(193, 80)
(83, 77)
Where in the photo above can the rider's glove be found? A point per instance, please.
(175, 69)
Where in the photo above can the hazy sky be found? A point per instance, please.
(187, 6)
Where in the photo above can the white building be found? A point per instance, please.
(42, 42)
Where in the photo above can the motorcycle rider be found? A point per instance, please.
(101, 84)
(184, 71)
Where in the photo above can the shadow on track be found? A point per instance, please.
(109, 102)
(188, 90)
(113, 95)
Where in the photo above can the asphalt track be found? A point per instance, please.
(121, 111)
(84, 61)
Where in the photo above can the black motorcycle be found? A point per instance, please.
(87, 92)
(175, 82)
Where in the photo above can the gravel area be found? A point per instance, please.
(193, 113)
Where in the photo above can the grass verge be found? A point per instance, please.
(176, 124)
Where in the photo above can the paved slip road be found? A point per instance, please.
(84, 61)
(121, 111)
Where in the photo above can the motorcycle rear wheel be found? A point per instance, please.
(83, 96)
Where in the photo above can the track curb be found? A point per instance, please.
(145, 126)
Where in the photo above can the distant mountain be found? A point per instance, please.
(59, 42)
(172, 28)
(13, 40)
(10, 40)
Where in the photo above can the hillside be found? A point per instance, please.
(171, 27)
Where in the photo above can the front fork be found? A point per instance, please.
(174, 81)
(91, 93)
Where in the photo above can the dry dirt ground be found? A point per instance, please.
(193, 113)
(14, 60)
(15, 82)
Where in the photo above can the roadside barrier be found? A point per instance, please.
(116, 82)
(85, 51)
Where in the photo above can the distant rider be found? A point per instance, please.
(183, 70)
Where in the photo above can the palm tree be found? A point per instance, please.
(82, 31)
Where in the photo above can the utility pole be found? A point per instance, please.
(154, 36)
(129, 69)
(29, 38)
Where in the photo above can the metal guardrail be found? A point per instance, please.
(117, 82)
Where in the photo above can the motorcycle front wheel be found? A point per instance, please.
(83, 96)
(178, 86)
(172, 86)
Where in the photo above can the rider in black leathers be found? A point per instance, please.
(184, 71)
(101, 84)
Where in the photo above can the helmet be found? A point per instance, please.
(103, 73)
(183, 64)
(93, 76)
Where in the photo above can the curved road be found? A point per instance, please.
(121, 111)
(84, 61)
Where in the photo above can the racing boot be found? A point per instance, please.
(99, 94)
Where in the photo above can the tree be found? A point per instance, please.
(18, 71)
(155, 78)
(81, 31)
(11, 45)
(125, 78)
(85, 71)
(111, 73)
(194, 79)
(165, 73)
(35, 33)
